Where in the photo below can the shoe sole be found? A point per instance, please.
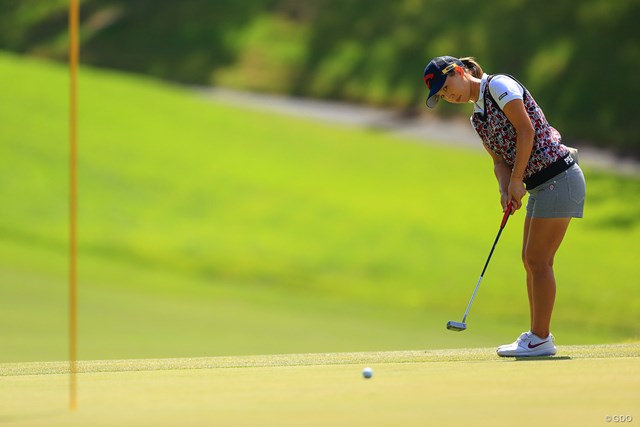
(544, 352)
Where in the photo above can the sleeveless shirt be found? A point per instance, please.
(499, 135)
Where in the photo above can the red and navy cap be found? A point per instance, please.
(435, 74)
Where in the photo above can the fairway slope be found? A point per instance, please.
(296, 236)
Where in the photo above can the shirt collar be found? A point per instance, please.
(479, 104)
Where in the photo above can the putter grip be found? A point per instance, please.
(506, 216)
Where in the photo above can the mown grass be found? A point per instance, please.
(189, 209)
(581, 386)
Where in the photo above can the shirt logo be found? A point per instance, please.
(502, 96)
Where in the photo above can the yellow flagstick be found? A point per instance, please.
(74, 10)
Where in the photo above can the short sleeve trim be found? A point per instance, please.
(505, 89)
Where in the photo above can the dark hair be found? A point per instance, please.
(472, 66)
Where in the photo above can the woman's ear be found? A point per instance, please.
(460, 71)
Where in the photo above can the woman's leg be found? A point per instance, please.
(542, 238)
(527, 225)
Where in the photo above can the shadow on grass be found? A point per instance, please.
(544, 358)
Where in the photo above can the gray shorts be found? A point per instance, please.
(560, 197)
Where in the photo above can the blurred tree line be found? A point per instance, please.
(577, 58)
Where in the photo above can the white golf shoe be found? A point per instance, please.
(529, 344)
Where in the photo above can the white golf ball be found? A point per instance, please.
(367, 372)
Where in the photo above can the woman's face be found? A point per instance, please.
(456, 89)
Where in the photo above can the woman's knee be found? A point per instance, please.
(524, 259)
(535, 261)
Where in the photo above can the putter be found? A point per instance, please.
(461, 326)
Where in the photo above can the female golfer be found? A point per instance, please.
(528, 156)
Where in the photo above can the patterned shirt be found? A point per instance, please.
(499, 135)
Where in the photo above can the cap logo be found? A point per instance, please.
(427, 79)
(449, 68)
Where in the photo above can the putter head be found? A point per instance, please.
(456, 326)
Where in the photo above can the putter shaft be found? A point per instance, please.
(453, 325)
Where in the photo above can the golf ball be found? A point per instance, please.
(367, 372)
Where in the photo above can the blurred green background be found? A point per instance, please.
(576, 57)
(207, 229)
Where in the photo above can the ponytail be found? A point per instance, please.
(472, 66)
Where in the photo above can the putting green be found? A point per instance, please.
(581, 386)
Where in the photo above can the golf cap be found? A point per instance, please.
(435, 74)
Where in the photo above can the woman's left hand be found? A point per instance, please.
(515, 193)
